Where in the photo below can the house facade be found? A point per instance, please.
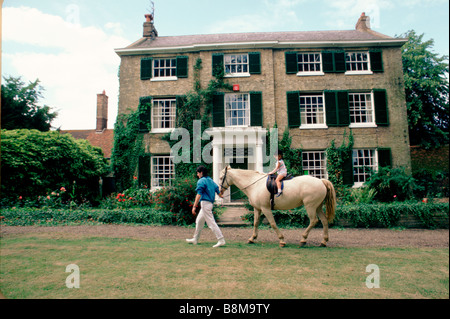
(320, 85)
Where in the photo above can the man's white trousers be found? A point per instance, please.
(206, 215)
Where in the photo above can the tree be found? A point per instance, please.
(20, 109)
(426, 88)
(34, 163)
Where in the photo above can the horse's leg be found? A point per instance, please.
(312, 222)
(269, 216)
(257, 220)
(324, 221)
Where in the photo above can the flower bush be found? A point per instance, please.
(177, 199)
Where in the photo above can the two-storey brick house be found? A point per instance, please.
(319, 84)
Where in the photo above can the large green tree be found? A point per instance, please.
(20, 108)
(34, 163)
(426, 88)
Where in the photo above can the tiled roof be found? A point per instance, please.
(104, 140)
(270, 38)
(306, 36)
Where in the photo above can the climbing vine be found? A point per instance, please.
(190, 109)
(292, 157)
(128, 146)
(337, 159)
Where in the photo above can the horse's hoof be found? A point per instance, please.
(323, 245)
(282, 244)
(302, 244)
(250, 242)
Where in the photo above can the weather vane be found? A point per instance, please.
(152, 9)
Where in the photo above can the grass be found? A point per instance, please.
(33, 266)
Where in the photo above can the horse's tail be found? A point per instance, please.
(330, 200)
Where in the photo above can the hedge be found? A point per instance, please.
(430, 215)
(401, 214)
(52, 216)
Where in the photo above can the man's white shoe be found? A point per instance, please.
(192, 241)
(220, 243)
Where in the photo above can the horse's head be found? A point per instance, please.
(225, 180)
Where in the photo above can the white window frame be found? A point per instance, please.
(167, 171)
(318, 114)
(373, 164)
(371, 110)
(357, 71)
(232, 60)
(230, 106)
(311, 163)
(172, 68)
(308, 54)
(157, 116)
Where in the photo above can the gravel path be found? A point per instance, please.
(348, 237)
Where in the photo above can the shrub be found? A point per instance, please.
(371, 215)
(391, 184)
(177, 199)
(51, 216)
(37, 163)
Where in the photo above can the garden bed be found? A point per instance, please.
(403, 214)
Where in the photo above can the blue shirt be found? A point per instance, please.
(207, 188)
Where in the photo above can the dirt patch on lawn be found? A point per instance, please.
(348, 237)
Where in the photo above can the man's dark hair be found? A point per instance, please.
(202, 169)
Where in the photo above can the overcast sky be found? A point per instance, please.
(69, 44)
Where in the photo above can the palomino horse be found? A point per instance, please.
(302, 190)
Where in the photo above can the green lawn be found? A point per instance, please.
(33, 266)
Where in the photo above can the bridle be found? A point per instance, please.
(225, 179)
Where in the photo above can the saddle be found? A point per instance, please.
(272, 187)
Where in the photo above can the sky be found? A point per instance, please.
(69, 44)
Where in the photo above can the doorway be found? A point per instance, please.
(236, 193)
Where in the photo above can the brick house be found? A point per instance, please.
(318, 84)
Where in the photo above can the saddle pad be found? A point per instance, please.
(271, 184)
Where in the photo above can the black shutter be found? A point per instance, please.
(384, 157)
(144, 174)
(145, 108)
(217, 64)
(376, 60)
(347, 175)
(331, 108)
(254, 59)
(333, 61)
(293, 109)
(182, 66)
(381, 109)
(181, 100)
(291, 63)
(256, 112)
(218, 112)
(339, 62)
(327, 62)
(146, 68)
(343, 109)
(336, 108)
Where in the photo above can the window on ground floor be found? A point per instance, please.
(162, 171)
(314, 163)
(364, 163)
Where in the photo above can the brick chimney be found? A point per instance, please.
(149, 27)
(102, 112)
(363, 23)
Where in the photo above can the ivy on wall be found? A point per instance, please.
(339, 163)
(128, 146)
(196, 105)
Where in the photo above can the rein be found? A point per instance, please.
(225, 177)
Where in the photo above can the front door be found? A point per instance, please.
(236, 194)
